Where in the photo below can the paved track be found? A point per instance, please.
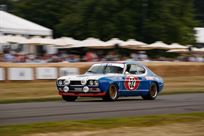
(80, 110)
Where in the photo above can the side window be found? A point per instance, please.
(135, 69)
(140, 70)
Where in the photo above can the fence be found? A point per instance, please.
(51, 71)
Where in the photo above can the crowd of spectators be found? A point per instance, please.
(89, 56)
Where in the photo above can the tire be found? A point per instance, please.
(69, 98)
(152, 93)
(112, 93)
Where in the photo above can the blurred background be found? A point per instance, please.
(43, 39)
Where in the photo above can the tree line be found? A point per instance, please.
(144, 20)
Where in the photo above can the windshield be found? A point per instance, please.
(105, 69)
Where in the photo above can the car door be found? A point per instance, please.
(134, 79)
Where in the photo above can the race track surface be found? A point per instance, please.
(20, 113)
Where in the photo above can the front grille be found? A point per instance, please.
(75, 83)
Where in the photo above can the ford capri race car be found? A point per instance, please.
(110, 81)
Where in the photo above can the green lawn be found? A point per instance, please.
(46, 90)
(190, 120)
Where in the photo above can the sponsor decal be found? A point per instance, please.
(46, 73)
(131, 83)
(65, 71)
(20, 73)
(149, 78)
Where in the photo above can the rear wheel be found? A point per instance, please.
(112, 93)
(69, 98)
(152, 94)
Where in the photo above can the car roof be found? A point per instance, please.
(122, 62)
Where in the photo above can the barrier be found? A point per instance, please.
(163, 69)
(20, 74)
(68, 71)
(46, 73)
(2, 74)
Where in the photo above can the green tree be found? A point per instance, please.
(170, 21)
(199, 10)
(145, 20)
(44, 12)
(8, 3)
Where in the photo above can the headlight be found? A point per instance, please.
(66, 89)
(60, 82)
(83, 82)
(67, 82)
(96, 83)
(91, 82)
(86, 89)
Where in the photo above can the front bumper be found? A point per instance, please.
(78, 91)
(83, 94)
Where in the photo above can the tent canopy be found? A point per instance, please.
(193, 50)
(134, 44)
(11, 24)
(12, 39)
(159, 45)
(93, 43)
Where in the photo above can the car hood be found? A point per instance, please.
(87, 76)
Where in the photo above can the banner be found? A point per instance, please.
(69, 71)
(20, 73)
(46, 73)
(2, 76)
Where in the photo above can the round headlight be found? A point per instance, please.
(91, 82)
(67, 82)
(96, 83)
(86, 89)
(83, 82)
(60, 82)
(66, 89)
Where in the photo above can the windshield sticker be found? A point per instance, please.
(131, 83)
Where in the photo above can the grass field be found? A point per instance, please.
(46, 90)
(191, 124)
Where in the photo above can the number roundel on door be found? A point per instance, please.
(131, 83)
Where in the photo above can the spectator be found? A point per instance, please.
(111, 56)
(90, 57)
(8, 57)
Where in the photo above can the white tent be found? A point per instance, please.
(4, 39)
(12, 39)
(177, 46)
(65, 42)
(199, 33)
(199, 50)
(158, 45)
(133, 44)
(193, 50)
(11, 24)
(112, 42)
(36, 40)
(93, 43)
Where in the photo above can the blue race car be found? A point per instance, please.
(110, 81)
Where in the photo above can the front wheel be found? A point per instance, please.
(112, 93)
(152, 94)
(69, 98)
